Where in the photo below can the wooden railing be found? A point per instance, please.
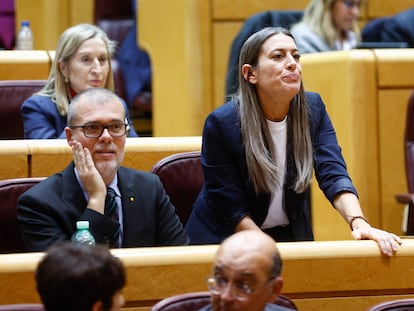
(318, 276)
(44, 157)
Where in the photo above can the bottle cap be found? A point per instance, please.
(25, 23)
(82, 224)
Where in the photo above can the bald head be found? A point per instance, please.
(99, 96)
(248, 246)
(246, 272)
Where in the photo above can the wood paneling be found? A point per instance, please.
(24, 65)
(318, 276)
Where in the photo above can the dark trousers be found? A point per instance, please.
(281, 233)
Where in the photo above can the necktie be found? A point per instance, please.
(111, 210)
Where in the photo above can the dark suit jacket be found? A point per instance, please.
(396, 28)
(42, 120)
(227, 195)
(48, 212)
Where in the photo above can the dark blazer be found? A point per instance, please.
(398, 28)
(227, 195)
(42, 120)
(48, 212)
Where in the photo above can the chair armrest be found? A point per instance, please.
(405, 198)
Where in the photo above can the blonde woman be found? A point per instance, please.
(328, 25)
(82, 61)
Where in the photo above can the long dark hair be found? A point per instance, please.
(261, 165)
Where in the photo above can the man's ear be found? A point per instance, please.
(248, 73)
(97, 306)
(69, 134)
(276, 288)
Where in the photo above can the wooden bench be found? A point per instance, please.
(319, 276)
(24, 65)
(44, 157)
(48, 157)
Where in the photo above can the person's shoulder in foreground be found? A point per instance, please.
(246, 273)
(72, 277)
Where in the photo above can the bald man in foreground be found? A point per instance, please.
(246, 274)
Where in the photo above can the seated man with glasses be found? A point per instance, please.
(141, 212)
(246, 274)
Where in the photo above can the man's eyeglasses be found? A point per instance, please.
(96, 130)
(351, 3)
(217, 285)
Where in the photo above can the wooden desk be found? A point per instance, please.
(319, 276)
(24, 65)
(51, 156)
(13, 159)
(44, 157)
(366, 94)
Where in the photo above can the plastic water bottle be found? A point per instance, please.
(24, 37)
(83, 235)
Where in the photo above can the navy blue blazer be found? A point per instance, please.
(227, 195)
(42, 120)
(48, 212)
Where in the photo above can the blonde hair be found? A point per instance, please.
(318, 16)
(69, 42)
(261, 166)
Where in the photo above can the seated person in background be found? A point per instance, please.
(82, 61)
(96, 131)
(259, 149)
(136, 68)
(397, 28)
(246, 274)
(328, 25)
(74, 277)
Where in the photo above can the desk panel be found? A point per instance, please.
(392, 106)
(395, 68)
(24, 65)
(337, 275)
(347, 85)
(13, 159)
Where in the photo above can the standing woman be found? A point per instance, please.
(82, 61)
(259, 149)
(328, 25)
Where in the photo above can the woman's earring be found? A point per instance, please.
(66, 80)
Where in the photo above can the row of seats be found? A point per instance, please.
(183, 302)
(195, 301)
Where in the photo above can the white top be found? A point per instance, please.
(276, 215)
(349, 43)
